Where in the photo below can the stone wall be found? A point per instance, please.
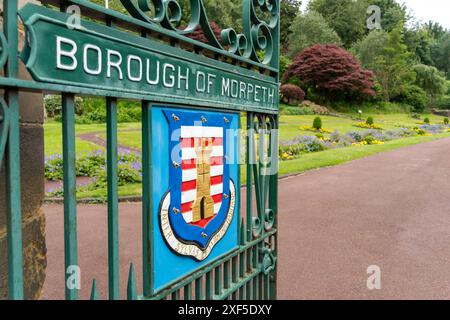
(32, 180)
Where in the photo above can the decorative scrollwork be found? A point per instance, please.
(3, 50)
(263, 168)
(4, 127)
(258, 42)
(268, 261)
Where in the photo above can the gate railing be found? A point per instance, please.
(246, 273)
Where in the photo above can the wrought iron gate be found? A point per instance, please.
(249, 59)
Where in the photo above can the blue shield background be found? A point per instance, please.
(168, 266)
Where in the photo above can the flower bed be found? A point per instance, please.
(129, 166)
(293, 149)
(365, 125)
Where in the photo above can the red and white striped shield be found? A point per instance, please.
(190, 135)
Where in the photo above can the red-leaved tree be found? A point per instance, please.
(331, 72)
(292, 94)
(199, 35)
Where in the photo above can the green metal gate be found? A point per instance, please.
(246, 273)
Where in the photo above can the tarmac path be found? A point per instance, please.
(391, 210)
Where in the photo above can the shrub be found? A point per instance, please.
(128, 172)
(443, 103)
(317, 123)
(369, 139)
(426, 120)
(53, 105)
(415, 97)
(89, 164)
(53, 169)
(296, 111)
(292, 94)
(370, 121)
(415, 116)
(93, 110)
(446, 121)
(333, 72)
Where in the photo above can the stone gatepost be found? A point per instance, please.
(32, 180)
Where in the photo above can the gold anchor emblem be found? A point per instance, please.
(203, 207)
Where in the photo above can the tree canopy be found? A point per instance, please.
(309, 29)
(332, 71)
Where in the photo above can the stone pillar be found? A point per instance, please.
(32, 182)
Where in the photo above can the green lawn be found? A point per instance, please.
(130, 135)
(53, 138)
(338, 156)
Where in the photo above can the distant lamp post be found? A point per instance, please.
(360, 114)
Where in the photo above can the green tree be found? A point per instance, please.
(420, 41)
(441, 54)
(431, 80)
(370, 48)
(225, 13)
(309, 29)
(346, 17)
(289, 9)
(392, 67)
(113, 4)
(436, 30)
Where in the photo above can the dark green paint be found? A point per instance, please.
(246, 273)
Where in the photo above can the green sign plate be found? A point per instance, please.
(100, 57)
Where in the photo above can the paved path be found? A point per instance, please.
(390, 210)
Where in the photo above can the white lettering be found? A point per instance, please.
(139, 60)
(257, 92)
(210, 81)
(171, 83)
(225, 86)
(111, 64)
(201, 76)
(88, 70)
(183, 78)
(69, 54)
(234, 88)
(156, 81)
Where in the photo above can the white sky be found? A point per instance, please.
(425, 10)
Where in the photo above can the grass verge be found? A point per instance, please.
(307, 162)
(338, 156)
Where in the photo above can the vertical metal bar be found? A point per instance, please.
(262, 171)
(198, 289)
(255, 266)
(273, 204)
(13, 202)
(147, 205)
(234, 274)
(113, 214)
(70, 201)
(131, 284)
(226, 275)
(176, 295)
(249, 159)
(241, 273)
(255, 288)
(266, 287)
(12, 159)
(249, 290)
(218, 280)
(208, 285)
(188, 291)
